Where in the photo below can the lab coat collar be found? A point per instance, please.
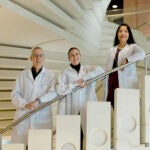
(126, 46)
(71, 69)
(29, 73)
(116, 47)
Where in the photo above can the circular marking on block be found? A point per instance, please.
(98, 137)
(128, 123)
(68, 146)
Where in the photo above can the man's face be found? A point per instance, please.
(37, 58)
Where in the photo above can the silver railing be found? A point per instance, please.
(43, 105)
(145, 63)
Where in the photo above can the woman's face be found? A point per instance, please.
(123, 34)
(74, 57)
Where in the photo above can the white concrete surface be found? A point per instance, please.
(40, 139)
(68, 132)
(98, 126)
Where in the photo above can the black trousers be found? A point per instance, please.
(81, 139)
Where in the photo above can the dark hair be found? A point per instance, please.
(130, 39)
(72, 48)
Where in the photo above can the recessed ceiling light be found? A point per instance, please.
(114, 6)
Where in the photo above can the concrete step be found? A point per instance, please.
(5, 99)
(13, 64)
(7, 106)
(5, 89)
(6, 84)
(6, 74)
(5, 94)
(5, 123)
(14, 51)
(7, 115)
(10, 75)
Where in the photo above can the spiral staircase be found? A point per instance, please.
(55, 26)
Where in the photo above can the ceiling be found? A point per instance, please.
(34, 22)
(19, 25)
(18, 30)
(29, 23)
(119, 4)
(135, 13)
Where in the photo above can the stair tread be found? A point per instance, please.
(7, 78)
(5, 123)
(4, 115)
(12, 67)
(6, 87)
(6, 106)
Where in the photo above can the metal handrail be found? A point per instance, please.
(43, 105)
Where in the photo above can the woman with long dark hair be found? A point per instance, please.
(123, 51)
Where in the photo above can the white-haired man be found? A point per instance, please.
(33, 86)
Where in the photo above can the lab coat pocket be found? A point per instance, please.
(44, 87)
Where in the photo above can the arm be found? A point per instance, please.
(93, 71)
(62, 86)
(110, 55)
(17, 93)
(137, 54)
(47, 96)
(51, 94)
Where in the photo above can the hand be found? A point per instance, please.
(81, 83)
(31, 105)
(125, 61)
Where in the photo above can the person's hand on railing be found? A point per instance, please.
(31, 105)
(81, 83)
(125, 61)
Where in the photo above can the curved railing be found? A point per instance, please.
(43, 105)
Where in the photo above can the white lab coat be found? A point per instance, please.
(27, 90)
(128, 77)
(76, 102)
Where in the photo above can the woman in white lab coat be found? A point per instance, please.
(124, 50)
(76, 75)
(33, 86)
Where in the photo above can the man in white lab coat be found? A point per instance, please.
(33, 86)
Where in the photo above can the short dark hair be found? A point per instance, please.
(130, 39)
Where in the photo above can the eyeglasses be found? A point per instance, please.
(38, 55)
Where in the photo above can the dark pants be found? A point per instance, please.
(113, 83)
(81, 139)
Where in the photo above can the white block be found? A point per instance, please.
(68, 132)
(98, 126)
(145, 110)
(122, 145)
(127, 119)
(40, 139)
(13, 147)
